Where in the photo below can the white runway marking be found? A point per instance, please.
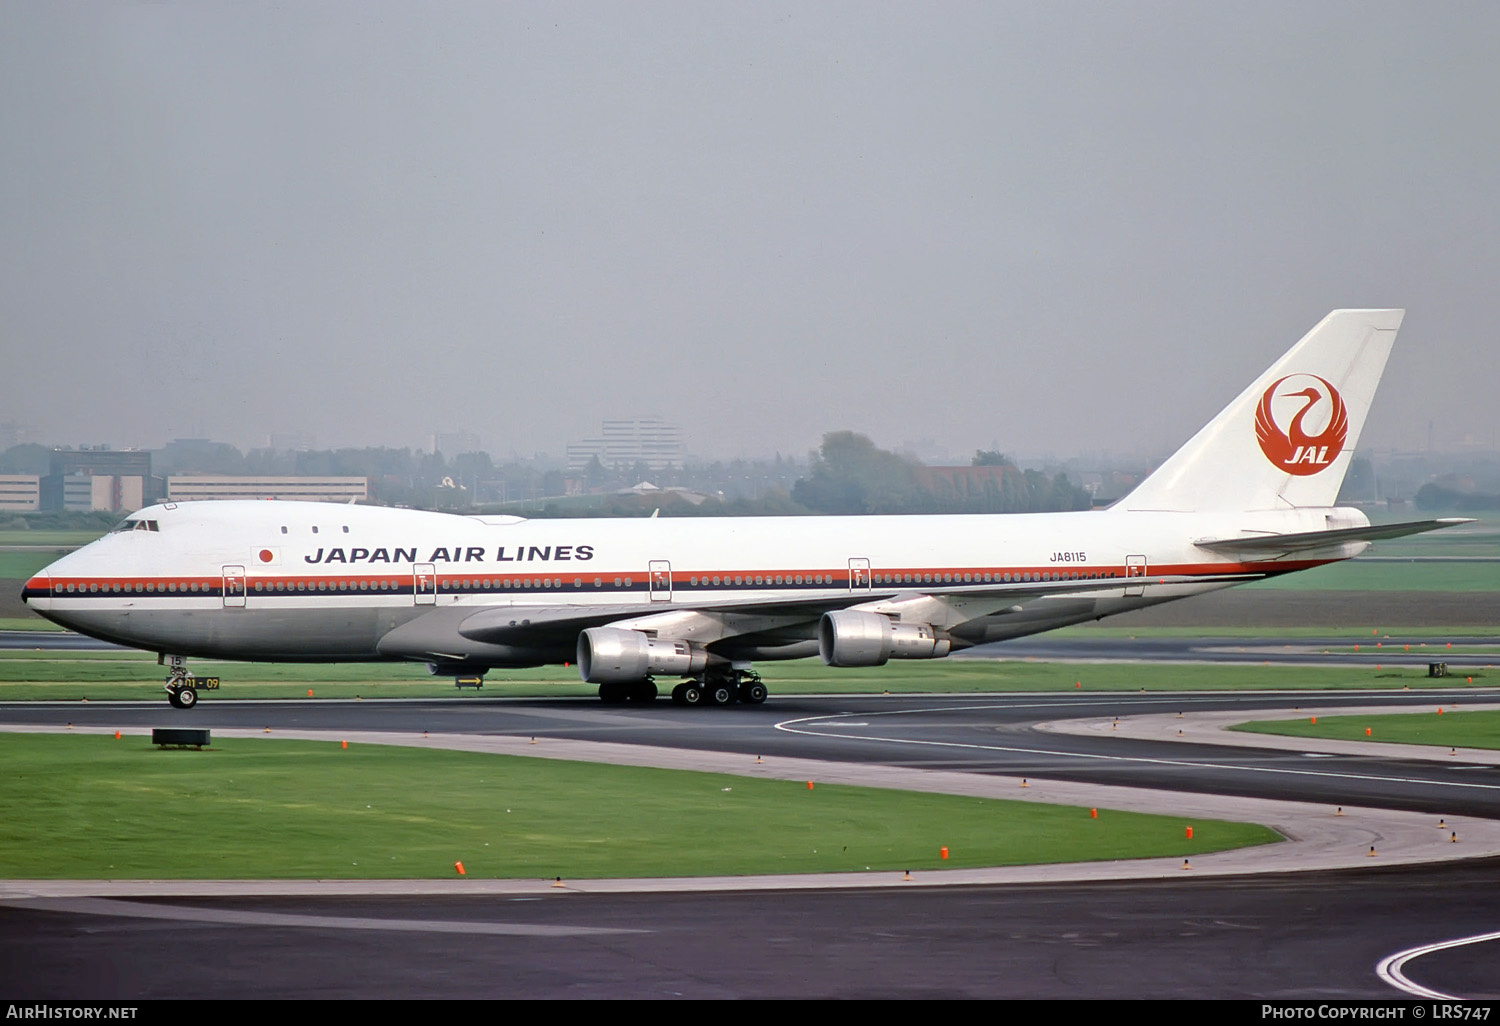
(796, 726)
(1390, 967)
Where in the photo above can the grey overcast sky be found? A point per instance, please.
(1051, 227)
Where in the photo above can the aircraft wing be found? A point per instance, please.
(1263, 545)
(518, 624)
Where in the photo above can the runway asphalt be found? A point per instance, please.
(1312, 917)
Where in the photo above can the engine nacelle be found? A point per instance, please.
(852, 638)
(609, 654)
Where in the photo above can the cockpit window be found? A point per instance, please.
(132, 524)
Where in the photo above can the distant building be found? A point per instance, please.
(452, 443)
(192, 487)
(20, 493)
(98, 479)
(624, 443)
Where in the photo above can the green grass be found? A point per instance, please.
(1479, 728)
(22, 566)
(72, 676)
(56, 539)
(97, 807)
(1252, 634)
(28, 623)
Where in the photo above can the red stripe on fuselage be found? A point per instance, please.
(267, 585)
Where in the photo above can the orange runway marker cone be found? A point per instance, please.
(309, 692)
(1367, 732)
(343, 744)
(809, 785)
(1093, 814)
(117, 735)
(1189, 833)
(459, 867)
(942, 853)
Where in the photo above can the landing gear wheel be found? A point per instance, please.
(182, 697)
(643, 691)
(753, 693)
(679, 693)
(614, 693)
(721, 694)
(693, 695)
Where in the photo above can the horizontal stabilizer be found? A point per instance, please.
(1307, 540)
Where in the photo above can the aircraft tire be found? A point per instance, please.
(753, 694)
(643, 691)
(186, 698)
(693, 695)
(173, 697)
(614, 693)
(721, 694)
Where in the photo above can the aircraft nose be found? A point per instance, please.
(37, 592)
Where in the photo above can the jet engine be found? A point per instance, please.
(852, 638)
(607, 654)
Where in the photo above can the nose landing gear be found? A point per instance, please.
(181, 686)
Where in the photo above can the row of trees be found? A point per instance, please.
(849, 474)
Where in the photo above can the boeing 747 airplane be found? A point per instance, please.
(1250, 496)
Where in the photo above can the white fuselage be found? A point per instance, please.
(325, 582)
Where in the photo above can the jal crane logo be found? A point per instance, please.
(1297, 450)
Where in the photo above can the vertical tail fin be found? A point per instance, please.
(1288, 439)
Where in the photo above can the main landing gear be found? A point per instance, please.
(717, 686)
(181, 686)
(721, 687)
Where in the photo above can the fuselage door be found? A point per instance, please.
(1135, 570)
(660, 576)
(424, 584)
(234, 587)
(859, 575)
